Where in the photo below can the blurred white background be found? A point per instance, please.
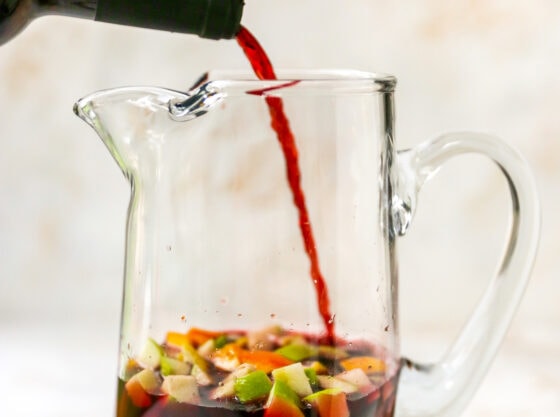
(481, 65)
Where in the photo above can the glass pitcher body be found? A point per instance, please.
(261, 271)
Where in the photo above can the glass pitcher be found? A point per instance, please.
(233, 230)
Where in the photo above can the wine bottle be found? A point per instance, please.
(212, 19)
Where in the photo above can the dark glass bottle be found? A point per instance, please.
(213, 19)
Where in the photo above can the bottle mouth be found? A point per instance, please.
(223, 19)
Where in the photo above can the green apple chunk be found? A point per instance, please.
(312, 377)
(329, 403)
(182, 388)
(251, 387)
(151, 354)
(226, 389)
(294, 376)
(282, 402)
(170, 366)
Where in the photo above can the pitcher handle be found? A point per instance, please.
(445, 388)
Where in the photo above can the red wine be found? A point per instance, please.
(264, 70)
(218, 394)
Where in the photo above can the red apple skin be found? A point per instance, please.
(331, 405)
(279, 407)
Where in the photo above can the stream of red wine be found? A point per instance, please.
(263, 69)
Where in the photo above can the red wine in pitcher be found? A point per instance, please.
(269, 372)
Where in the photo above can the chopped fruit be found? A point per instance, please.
(368, 364)
(137, 394)
(149, 380)
(264, 360)
(176, 339)
(312, 377)
(207, 348)
(241, 342)
(188, 352)
(282, 402)
(220, 341)
(202, 377)
(170, 366)
(227, 358)
(253, 386)
(297, 352)
(327, 381)
(182, 388)
(332, 352)
(141, 385)
(357, 377)
(132, 367)
(263, 339)
(198, 336)
(227, 387)
(231, 356)
(294, 376)
(292, 339)
(151, 354)
(329, 403)
(318, 367)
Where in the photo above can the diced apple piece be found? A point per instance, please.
(329, 403)
(369, 364)
(206, 349)
(251, 387)
(357, 377)
(327, 381)
(297, 352)
(149, 380)
(151, 354)
(141, 385)
(202, 377)
(294, 376)
(282, 402)
(226, 388)
(170, 366)
(182, 388)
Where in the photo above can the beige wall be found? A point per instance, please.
(481, 65)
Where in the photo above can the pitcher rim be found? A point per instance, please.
(345, 80)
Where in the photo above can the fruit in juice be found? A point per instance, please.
(222, 374)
